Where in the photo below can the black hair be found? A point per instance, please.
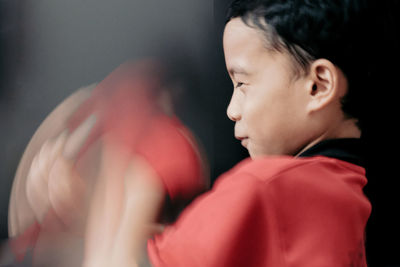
(337, 30)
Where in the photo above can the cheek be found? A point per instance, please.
(257, 116)
(270, 117)
(261, 104)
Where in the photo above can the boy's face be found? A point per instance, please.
(268, 104)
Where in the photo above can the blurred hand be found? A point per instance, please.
(53, 182)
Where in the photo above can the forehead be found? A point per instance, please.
(242, 45)
(239, 36)
(248, 51)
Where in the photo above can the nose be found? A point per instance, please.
(233, 110)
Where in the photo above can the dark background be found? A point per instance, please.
(50, 48)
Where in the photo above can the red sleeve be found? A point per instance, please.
(229, 226)
(172, 151)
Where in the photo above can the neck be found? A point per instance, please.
(345, 129)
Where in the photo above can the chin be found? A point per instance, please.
(254, 154)
(265, 153)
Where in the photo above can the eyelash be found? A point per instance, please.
(238, 85)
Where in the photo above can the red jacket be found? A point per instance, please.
(274, 211)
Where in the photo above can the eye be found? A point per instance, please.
(239, 84)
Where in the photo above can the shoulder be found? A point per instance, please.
(288, 172)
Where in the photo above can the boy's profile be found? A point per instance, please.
(298, 69)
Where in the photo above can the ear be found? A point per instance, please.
(323, 86)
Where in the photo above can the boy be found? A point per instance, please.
(297, 69)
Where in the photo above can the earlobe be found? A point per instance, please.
(323, 87)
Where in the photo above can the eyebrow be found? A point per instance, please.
(237, 70)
